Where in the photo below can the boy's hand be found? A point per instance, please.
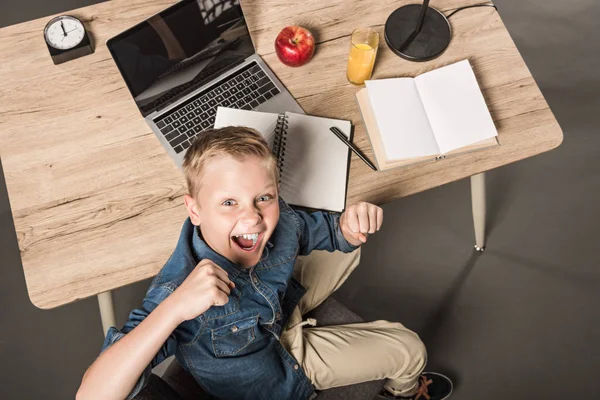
(359, 220)
(208, 285)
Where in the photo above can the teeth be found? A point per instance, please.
(250, 236)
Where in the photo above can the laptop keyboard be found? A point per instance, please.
(245, 89)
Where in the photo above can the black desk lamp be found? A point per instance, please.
(417, 32)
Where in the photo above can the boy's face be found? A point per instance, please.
(236, 198)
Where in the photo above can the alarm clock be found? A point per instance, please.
(67, 39)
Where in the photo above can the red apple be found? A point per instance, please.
(294, 46)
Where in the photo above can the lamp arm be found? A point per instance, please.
(419, 26)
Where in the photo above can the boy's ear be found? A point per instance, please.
(192, 209)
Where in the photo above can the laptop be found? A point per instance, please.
(184, 62)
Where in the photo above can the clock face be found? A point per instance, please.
(64, 32)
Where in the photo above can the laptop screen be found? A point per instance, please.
(171, 53)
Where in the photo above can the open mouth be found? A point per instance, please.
(248, 242)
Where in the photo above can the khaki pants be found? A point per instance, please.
(346, 354)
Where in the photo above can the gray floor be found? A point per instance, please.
(519, 321)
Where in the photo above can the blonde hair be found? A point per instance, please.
(237, 142)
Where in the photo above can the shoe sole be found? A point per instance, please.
(444, 376)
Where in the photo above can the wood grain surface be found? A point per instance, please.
(97, 204)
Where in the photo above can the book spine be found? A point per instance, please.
(279, 142)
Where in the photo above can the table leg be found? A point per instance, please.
(478, 202)
(107, 311)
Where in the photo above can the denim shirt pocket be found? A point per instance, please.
(230, 339)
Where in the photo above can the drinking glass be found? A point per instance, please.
(363, 49)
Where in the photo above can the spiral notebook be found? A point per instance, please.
(313, 162)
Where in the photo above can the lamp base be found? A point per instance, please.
(428, 44)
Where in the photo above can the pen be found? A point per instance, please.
(344, 139)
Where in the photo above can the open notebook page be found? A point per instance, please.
(455, 106)
(263, 122)
(401, 118)
(315, 166)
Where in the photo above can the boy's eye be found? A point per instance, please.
(228, 203)
(265, 198)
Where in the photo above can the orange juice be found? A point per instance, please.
(360, 63)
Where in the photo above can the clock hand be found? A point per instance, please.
(63, 28)
(70, 31)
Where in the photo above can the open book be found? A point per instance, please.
(441, 112)
(313, 162)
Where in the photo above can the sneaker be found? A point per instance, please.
(432, 386)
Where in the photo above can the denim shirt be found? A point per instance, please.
(233, 351)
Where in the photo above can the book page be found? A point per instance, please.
(263, 122)
(401, 118)
(315, 163)
(455, 106)
(366, 112)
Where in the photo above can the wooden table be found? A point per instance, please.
(97, 204)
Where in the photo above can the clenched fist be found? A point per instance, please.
(208, 285)
(359, 220)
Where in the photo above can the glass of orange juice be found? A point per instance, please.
(363, 49)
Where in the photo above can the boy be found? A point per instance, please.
(226, 305)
